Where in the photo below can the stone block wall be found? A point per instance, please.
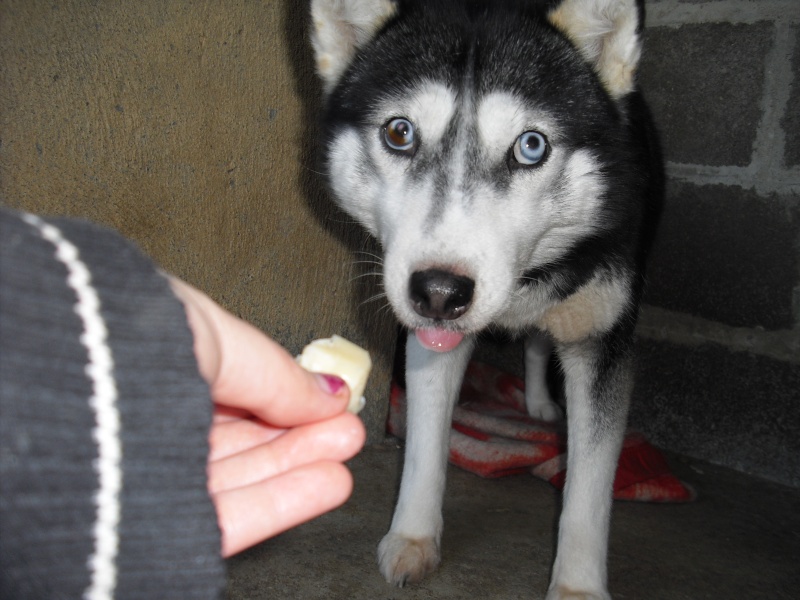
(719, 373)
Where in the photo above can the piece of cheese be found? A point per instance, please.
(338, 356)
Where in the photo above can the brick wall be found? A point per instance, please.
(719, 374)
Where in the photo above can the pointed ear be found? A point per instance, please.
(339, 28)
(607, 34)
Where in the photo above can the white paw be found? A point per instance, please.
(546, 411)
(405, 560)
(565, 593)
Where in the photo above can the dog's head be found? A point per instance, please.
(474, 140)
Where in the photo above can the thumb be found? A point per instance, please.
(246, 369)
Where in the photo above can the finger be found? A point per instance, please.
(204, 331)
(231, 436)
(223, 414)
(254, 513)
(337, 439)
(248, 370)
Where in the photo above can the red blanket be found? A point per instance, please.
(493, 436)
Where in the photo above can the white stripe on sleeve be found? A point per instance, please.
(100, 370)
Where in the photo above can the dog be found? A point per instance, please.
(501, 154)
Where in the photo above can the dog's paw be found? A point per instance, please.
(565, 593)
(405, 560)
(546, 411)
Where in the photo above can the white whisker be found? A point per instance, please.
(373, 298)
(307, 168)
(368, 274)
(378, 258)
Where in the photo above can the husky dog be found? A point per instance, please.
(501, 154)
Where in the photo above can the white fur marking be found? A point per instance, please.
(102, 562)
(430, 107)
(501, 119)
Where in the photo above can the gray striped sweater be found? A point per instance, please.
(103, 423)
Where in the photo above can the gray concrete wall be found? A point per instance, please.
(719, 375)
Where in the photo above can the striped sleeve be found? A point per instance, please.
(103, 423)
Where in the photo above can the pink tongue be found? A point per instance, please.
(439, 340)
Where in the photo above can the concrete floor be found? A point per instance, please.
(739, 540)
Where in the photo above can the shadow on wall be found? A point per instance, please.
(369, 301)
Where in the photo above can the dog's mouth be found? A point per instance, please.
(438, 339)
(440, 296)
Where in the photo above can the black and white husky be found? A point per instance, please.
(502, 156)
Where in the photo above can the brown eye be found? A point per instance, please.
(399, 135)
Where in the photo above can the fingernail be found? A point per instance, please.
(330, 383)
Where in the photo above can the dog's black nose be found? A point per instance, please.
(439, 294)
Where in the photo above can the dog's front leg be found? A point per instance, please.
(538, 401)
(411, 548)
(598, 386)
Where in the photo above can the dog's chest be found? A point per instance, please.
(592, 309)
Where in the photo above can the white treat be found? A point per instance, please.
(337, 356)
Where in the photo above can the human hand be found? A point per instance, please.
(279, 434)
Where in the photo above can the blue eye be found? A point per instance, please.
(530, 148)
(399, 135)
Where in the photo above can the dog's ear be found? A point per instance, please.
(607, 33)
(339, 28)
